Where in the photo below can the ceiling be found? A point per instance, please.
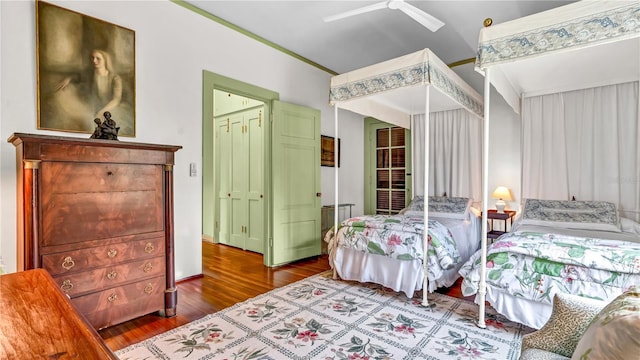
(344, 45)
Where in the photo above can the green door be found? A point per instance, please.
(254, 228)
(295, 183)
(240, 179)
(222, 179)
(387, 167)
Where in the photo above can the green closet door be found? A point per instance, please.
(238, 180)
(296, 183)
(255, 229)
(222, 187)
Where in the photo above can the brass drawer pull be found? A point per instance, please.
(66, 286)
(148, 248)
(112, 297)
(147, 267)
(148, 289)
(68, 263)
(112, 275)
(112, 252)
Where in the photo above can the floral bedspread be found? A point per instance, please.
(535, 266)
(400, 237)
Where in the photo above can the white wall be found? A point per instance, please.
(173, 46)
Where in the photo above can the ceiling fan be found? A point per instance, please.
(416, 14)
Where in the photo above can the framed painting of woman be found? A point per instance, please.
(86, 67)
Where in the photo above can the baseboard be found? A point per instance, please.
(190, 278)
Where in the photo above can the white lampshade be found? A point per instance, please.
(501, 193)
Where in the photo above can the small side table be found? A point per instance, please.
(495, 215)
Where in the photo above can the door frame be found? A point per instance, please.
(211, 81)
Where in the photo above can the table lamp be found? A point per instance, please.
(501, 193)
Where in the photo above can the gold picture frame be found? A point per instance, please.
(85, 66)
(327, 151)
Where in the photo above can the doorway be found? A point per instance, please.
(239, 167)
(285, 215)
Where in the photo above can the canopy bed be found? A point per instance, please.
(556, 68)
(404, 91)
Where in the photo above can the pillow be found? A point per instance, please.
(416, 205)
(585, 215)
(630, 226)
(449, 207)
(570, 318)
(615, 332)
(441, 206)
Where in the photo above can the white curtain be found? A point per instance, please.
(455, 154)
(584, 144)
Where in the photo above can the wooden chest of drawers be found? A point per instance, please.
(98, 215)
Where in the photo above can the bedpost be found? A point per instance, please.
(425, 197)
(335, 168)
(482, 287)
(413, 122)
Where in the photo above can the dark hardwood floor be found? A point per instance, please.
(230, 276)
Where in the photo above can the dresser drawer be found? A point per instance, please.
(78, 177)
(111, 276)
(83, 202)
(113, 306)
(79, 217)
(100, 256)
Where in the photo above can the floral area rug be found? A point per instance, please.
(322, 318)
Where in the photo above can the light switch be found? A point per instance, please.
(193, 171)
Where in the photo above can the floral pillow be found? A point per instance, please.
(441, 206)
(615, 332)
(585, 215)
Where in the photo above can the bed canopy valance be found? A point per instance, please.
(582, 45)
(576, 46)
(393, 91)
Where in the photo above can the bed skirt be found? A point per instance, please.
(535, 316)
(350, 264)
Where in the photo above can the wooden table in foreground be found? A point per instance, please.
(37, 321)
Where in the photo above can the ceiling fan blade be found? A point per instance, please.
(358, 11)
(428, 21)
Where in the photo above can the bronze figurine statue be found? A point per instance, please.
(105, 129)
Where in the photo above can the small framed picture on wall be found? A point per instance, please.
(86, 67)
(327, 151)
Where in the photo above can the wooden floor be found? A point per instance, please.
(230, 276)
